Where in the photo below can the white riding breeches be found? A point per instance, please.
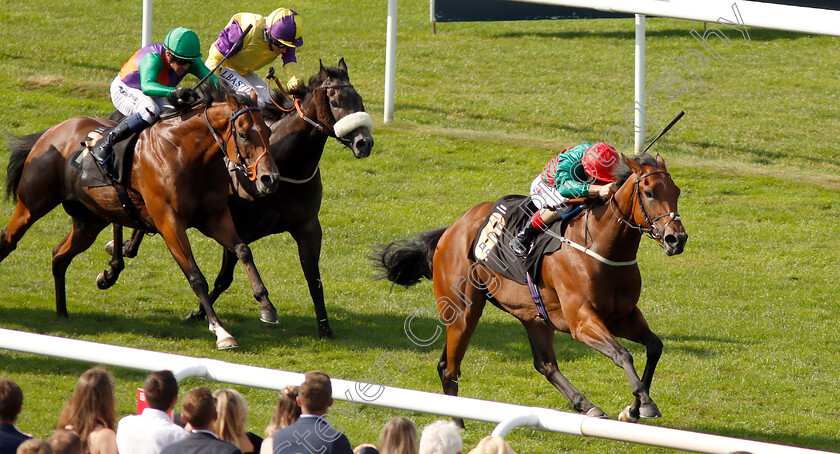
(131, 100)
(246, 84)
(545, 195)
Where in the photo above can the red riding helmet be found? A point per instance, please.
(600, 162)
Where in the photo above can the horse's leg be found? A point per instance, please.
(635, 328)
(82, 234)
(541, 338)
(109, 277)
(31, 206)
(462, 303)
(130, 247)
(592, 332)
(222, 283)
(309, 250)
(224, 232)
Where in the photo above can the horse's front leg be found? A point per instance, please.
(222, 283)
(108, 278)
(309, 250)
(635, 328)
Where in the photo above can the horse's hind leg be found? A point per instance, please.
(130, 247)
(636, 329)
(541, 337)
(109, 277)
(82, 234)
(222, 283)
(309, 250)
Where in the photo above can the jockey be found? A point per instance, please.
(581, 171)
(277, 34)
(140, 89)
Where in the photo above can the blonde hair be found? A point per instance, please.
(34, 446)
(492, 445)
(91, 405)
(399, 436)
(286, 412)
(232, 414)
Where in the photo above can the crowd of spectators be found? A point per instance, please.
(214, 423)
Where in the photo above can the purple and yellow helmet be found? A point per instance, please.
(284, 25)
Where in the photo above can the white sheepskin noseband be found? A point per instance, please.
(354, 120)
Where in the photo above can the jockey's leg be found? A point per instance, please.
(123, 130)
(540, 221)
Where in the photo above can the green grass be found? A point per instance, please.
(748, 314)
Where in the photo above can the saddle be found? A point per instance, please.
(93, 175)
(508, 216)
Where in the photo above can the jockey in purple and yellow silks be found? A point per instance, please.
(140, 89)
(584, 170)
(277, 34)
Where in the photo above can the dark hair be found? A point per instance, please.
(316, 391)
(65, 441)
(11, 400)
(91, 405)
(161, 388)
(199, 407)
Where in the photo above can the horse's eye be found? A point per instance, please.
(648, 193)
(241, 135)
(334, 103)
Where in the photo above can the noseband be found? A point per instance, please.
(652, 231)
(248, 171)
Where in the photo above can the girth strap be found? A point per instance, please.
(538, 302)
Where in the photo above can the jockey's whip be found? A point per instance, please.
(235, 47)
(664, 130)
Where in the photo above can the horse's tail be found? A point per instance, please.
(406, 262)
(20, 146)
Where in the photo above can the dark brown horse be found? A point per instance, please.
(590, 291)
(329, 107)
(178, 179)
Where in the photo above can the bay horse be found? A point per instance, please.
(592, 295)
(329, 107)
(177, 179)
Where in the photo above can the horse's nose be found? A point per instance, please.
(270, 181)
(675, 242)
(362, 145)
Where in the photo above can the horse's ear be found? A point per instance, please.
(342, 65)
(321, 64)
(631, 164)
(231, 101)
(660, 162)
(254, 98)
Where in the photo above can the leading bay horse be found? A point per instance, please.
(329, 107)
(178, 179)
(592, 294)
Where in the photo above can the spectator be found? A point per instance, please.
(153, 429)
(492, 445)
(198, 408)
(35, 446)
(64, 441)
(399, 436)
(311, 432)
(90, 412)
(441, 437)
(365, 448)
(285, 414)
(232, 424)
(11, 403)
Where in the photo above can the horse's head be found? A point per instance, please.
(244, 139)
(340, 109)
(650, 195)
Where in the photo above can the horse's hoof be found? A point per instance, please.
(195, 315)
(324, 330)
(626, 415)
(109, 248)
(649, 411)
(596, 412)
(269, 316)
(226, 343)
(103, 283)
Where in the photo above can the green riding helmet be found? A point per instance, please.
(183, 43)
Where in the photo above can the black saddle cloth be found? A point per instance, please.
(491, 245)
(91, 174)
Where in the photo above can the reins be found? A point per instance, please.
(652, 231)
(248, 171)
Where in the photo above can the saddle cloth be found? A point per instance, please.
(92, 175)
(491, 245)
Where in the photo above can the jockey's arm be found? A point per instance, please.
(149, 67)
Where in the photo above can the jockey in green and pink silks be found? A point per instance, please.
(584, 170)
(144, 82)
(277, 34)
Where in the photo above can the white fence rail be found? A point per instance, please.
(507, 416)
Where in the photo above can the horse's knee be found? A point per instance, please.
(243, 253)
(654, 347)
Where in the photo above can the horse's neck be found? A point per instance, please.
(603, 231)
(299, 149)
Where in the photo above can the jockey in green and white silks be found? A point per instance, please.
(277, 34)
(581, 171)
(141, 88)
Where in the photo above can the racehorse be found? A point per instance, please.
(589, 291)
(329, 107)
(178, 179)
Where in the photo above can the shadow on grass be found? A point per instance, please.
(791, 439)
(755, 34)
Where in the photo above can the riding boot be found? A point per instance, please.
(103, 150)
(521, 243)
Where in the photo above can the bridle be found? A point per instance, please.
(248, 171)
(652, 231)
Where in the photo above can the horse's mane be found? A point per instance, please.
(623, 172)
(211, 93)
(271, 112)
